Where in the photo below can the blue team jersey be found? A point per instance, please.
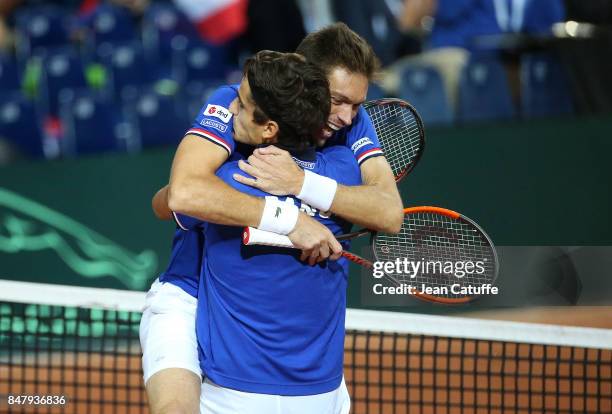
(268, 322)
(214, 123)
(185, 261)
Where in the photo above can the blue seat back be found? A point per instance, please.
(160, 119)
(110, 23)
(19, 124)
(39, 28)
(197, 61)
(422, 86)
(106, 25)
(61, 70)
(9, 74)
(92, 124)
(484, 93)
(127, 66)
(545, 88)
(162, 25)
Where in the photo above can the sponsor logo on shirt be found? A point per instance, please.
(213, 124)
(361, 143)
(304, 164)
(218, 112)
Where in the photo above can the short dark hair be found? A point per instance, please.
(338, 46)
(290, 91)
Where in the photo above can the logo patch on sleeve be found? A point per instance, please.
(361, 143)
(213, 124)
(218, 111)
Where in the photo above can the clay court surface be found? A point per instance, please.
(404, 374)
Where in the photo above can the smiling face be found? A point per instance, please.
(246, 130)
(348, 91)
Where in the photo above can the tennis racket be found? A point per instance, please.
(444, 255)
(400, 132)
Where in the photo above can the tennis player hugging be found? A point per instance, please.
(269, 322)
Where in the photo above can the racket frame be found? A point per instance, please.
(455, 216)
(420, 126)
(283, 241)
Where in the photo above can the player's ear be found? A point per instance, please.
(270, 132)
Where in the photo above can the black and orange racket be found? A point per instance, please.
(400, 132)
(444, 255)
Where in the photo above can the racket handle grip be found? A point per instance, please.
(251, 236)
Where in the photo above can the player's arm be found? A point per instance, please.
(160, 204)
(196, 191)
(376, 204)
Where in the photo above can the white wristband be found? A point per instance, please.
(279, 216)
(318, 191)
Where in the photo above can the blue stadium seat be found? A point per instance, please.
(93, 125)
(160, 119)
(422, 86)
(196, 96)
(376, 22)
(544, 87)
(38, 28)
(199, 62)
(484, 93)
(19, 124)
(61, 70)
(9, 74)
(127, 66)
(108, 24)
(162, 25)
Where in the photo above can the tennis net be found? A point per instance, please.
(82, 344)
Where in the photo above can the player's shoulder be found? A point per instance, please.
(230, 165)
(226, 173)
(338, 153)
(219, 101)
(362, 113)
(213, 120)
(338, 162)
(361, 137)
(224, 92)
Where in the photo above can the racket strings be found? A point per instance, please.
(400, 135)
(400, 132)
(442, 247)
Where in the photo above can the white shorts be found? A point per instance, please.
(168, 330)
(219, 400)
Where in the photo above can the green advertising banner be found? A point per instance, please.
(86, 222)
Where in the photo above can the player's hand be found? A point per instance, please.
(274, 172)
(315, 240)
